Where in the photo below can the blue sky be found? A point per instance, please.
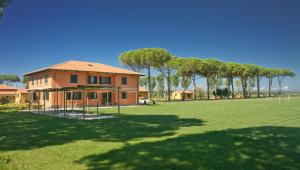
(35, 33)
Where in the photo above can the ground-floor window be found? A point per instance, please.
(46, 95)
(76, 95)
(92, 95)
(34, 96)
(124, 95)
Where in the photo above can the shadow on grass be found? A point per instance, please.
(250, 148)
(27, 131)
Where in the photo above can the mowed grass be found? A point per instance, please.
(233, 134)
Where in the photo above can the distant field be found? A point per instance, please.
(232, 134)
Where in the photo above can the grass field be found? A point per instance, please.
(233, 134)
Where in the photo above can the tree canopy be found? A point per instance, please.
(9, 78)
(3, 4)
(193, 68)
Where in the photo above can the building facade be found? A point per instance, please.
(77, 84)
(181, 94)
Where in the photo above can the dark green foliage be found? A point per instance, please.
(9, 78)
(222, 93)
(145, 58)
(5, 99)
(3, 4)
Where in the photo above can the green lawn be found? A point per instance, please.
(234, 134)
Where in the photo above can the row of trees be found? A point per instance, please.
(191, 69)
(9, 78)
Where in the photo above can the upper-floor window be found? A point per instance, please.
(92, 79)
(46, 78)
(124, 80)
(32, 80)
(124, 95)
(41, 79)
(37, 80)
(104, 80)
(74, 78)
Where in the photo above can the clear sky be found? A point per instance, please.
(38, 33)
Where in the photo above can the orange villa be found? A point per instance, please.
(79, 84)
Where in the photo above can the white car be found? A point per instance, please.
(144, 101)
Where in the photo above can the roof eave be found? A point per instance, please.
(38, 71)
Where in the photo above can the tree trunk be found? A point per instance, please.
(183, 95)
(244, 88)
(207, 84)
(228, 87)
(257, 84)
(270, 85)
(194, 83)
(169, 86)
(248, 85)
(232, 88)
(216, 86)
(280, 89)
(280, 83)
(149, 84)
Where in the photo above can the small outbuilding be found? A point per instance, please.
(21, 96)
(182, 95)
(143, 93)
(7, 93)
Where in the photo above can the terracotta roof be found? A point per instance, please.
(7, 87)
(142, 89)
(186, 91)
(86, 66)
(7, 92)
(22, 90)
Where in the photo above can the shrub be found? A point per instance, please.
(222, 93)
(5, 100)
(200, 93)
(13, 106)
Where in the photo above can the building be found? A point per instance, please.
(21, 96)
(143, 93)
(80, 84)
(7, 93)
(10, 94)
(182, 95)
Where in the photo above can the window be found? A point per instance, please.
(74, 78)
(37, 80)
(46, 78)
(124, 80)
(41, 79)
(76, 95)
(35, 96)
(32, 80)
(92, 79)
(92, 95)
(108, 80)
(46, 95)
(69, 94)
(104, 80)
(124, 95)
